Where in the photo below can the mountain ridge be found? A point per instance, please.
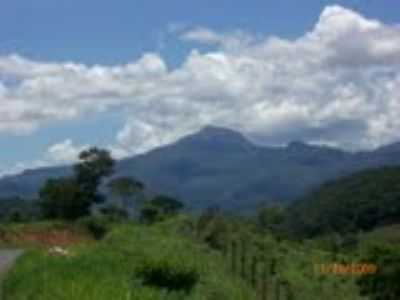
(219, 166)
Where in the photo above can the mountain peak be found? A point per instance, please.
(220, 132)
(220, 138)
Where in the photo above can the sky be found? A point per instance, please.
(130, 75)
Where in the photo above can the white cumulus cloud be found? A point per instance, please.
(338, 84)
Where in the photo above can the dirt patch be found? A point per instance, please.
(44, 238)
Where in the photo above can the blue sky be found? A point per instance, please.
(159, 38)
(112, 32)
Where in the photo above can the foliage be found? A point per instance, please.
(150, 215)
(124, 189)
(213, 228)
(16, 209)
(167, 205)
(384, 284)
(63, 198)
(97, 226)
(125, 186)
(70, 198)
(94, 165)
(166, 274)
(362, 201)
(127, 264)
(160, 208)
(114, 212)
(271, 217)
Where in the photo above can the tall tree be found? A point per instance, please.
(94, 165)
(71, 197)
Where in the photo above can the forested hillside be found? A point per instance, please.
(360, 202)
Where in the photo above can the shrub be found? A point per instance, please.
(96, 226)
(114, 213)
(166, 275)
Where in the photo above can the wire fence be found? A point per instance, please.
(257, 270)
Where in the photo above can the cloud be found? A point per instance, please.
(34, 93)
(64, 152)
(235, 40)
(338, 84)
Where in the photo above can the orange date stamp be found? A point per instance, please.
(346, 269)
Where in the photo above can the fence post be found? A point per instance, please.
(225, 250)
(233, 256)
(272, 265)
(253, 270)
(264, 283)
(288, 291)
(243, 257)
(277, 288)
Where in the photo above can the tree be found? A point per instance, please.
(167, 205)
(271, 217)
(124, 188)
(71, 197)
(213, 228)
(63, 198)
(149, 215)
(94, 165)
(159, 208)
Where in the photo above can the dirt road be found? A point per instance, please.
(7, 259)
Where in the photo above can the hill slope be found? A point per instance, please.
(220, 166)
(360, 202)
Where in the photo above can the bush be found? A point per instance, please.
(165, 275)
(98, 227)
(114, 213)
(160, 208)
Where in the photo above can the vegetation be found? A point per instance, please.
(360, 202)
(18, 210)
(162, 253)
(384, 284)
(124, 189)
(126, 264)
(159, 208)
(72, 197)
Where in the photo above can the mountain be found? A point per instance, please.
(360, 202)
(218, 166)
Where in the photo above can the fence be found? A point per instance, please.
(259, 271)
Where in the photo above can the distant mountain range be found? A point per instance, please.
(218, 166)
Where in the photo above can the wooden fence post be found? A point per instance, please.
(277, 288)
(243, 259)
(264, 283)
(253, 271)
(233, 256)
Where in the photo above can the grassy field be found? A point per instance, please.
(132, 262)
(159, 262)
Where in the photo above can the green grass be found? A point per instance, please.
(132, 262)
(164, 261)
(296, 264)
